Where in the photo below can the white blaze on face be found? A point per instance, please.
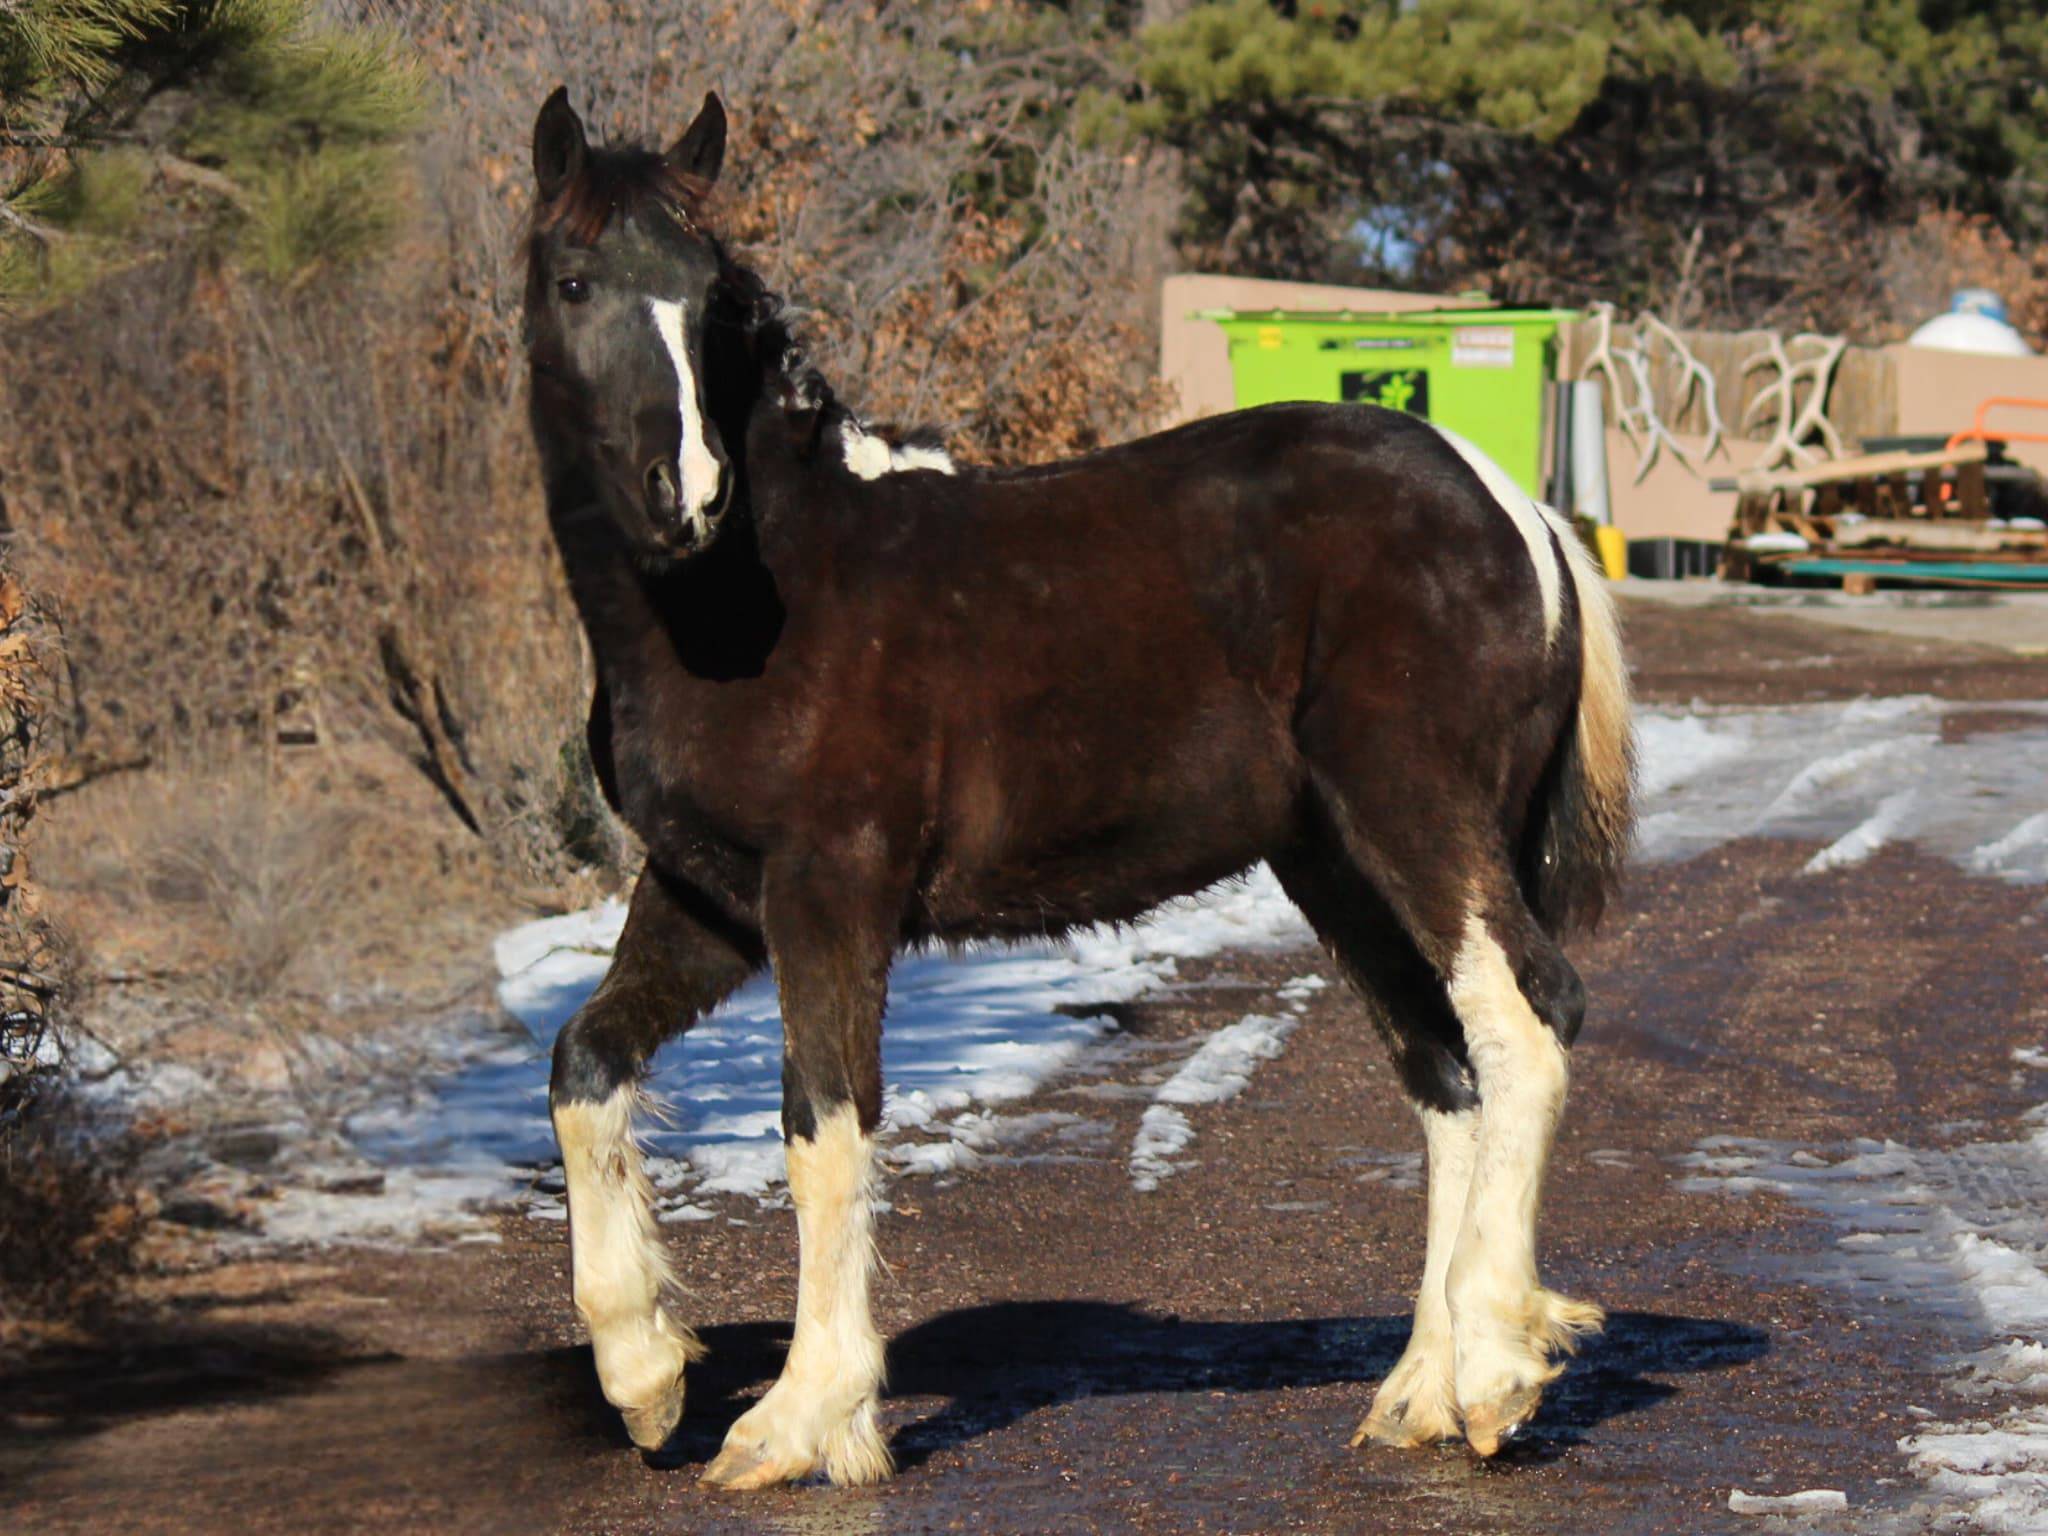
(1528, 519)
(698, 468)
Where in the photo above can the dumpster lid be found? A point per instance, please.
(1427, 318)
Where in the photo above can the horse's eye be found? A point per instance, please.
(574, 290)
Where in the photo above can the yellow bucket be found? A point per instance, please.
(1612, 547)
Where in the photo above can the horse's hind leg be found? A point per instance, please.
(1417, 1403)
(831, 951)
(1516, 1003)
(1520, 1003)
(670, 966)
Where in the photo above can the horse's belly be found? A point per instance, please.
(1051, 898)
(1084, 842)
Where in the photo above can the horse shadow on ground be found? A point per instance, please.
(159, 1368)
(987, 1367)
(994, 1365)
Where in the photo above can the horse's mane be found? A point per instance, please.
(789, 377)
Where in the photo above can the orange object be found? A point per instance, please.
(1975, 432)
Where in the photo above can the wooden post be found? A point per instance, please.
(1970, 490)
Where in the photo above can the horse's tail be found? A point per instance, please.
(1584, 820)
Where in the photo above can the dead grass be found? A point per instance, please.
(265, 875)
(261, 923)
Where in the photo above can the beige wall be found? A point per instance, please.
(1194, 359)
(1940, 392)
(1672, 502)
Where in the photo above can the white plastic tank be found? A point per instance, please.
(1975, 322)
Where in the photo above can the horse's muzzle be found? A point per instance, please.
(680, 529)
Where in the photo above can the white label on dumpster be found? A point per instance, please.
(1483, 346)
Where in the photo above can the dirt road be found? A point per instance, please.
(1069, 1355)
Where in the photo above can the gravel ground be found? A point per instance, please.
(1069, 1355)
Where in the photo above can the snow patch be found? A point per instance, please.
(1994, 857)
(1881, 826)
(1223, 1067)
(1958, 1235)
(1163, 1133)
(1858, 775)
(1813, 1501)
(1997, 1469)
(1220, 1069)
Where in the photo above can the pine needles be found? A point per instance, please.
(129, 128)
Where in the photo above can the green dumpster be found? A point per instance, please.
(1479, 372)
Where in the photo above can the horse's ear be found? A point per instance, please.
(701, 149)
(559, 147)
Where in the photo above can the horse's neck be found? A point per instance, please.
(716, 617)
(613, 600)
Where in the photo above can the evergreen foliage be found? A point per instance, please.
(128, 127)
(1740, 150)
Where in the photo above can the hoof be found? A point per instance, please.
(1402, 1429)
(1491, 1425)
(640, 1367)
(1413, 1407)
(649, 1428)
(774, 1442)
(741, 1467)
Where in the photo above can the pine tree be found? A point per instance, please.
(1744, 156)
(131, 126)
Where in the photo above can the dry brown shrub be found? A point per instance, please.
(34, 961)
(70, 1222)
(216, 888)
(265, 875)
(1922, 267)
(281, 518)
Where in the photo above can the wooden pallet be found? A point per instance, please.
(1876, 514)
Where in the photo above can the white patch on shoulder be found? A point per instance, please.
(937, 460)
(698, 467)
(870, 457)
(1529, 520)
(866, 455)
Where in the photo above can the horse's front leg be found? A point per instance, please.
(675, 960)
(831, 951)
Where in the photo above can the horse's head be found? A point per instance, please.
(620, 281)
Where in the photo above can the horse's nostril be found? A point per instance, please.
(663, 491)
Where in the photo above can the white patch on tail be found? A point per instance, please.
(871, 457)
(698, 466)
(1607, 737)
(1529, 521)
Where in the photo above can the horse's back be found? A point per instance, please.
(1263, 532)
